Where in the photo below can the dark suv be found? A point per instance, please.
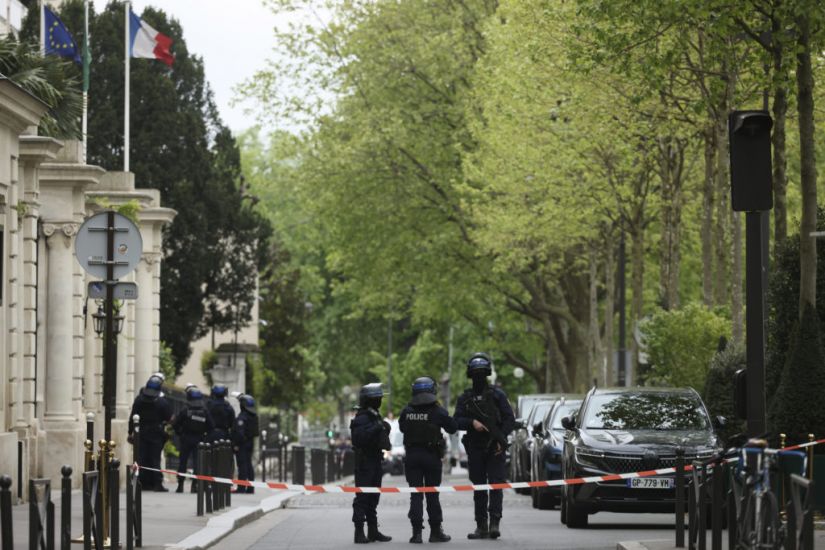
(627, 430)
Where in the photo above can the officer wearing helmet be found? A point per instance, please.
(486, 415)
(191, 425)
(154, 411)
(244, 432)
(370, 436)
(421, 422)
(222, 413)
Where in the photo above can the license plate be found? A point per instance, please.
(650, 483)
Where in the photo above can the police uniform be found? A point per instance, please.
(244, 432)
(421, 422)
(191, 425)
(222, 413)
(370, 436)
(154, 411)
(485, 449)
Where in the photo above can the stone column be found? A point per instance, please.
(60, 335)
(144, 319)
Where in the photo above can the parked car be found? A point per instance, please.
(547, 448)
(393, 462)
(628, 430)
(521, 441)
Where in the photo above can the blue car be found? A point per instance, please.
(546, 450)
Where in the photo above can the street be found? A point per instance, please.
(324, 521)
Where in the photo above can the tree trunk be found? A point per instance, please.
(671, 161)
(780, 158)
(609, 312)
(807, 162)
(595, 350)
(707, 217)
(720, 237)
(637, 270)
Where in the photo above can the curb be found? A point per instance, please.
(630, 545)
(224, 524)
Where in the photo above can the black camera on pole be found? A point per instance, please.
(750, 161)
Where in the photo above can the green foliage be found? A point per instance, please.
(167, 363)
(796, 409)
(51, 79)
(209, 359)
(719, 386)
(681, 344)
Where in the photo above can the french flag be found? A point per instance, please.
(147, 42)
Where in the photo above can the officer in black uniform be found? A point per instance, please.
(488, 418)
(244, 433)
(421, 422)
(191, 425)
(222, 413)
(154, 411)
(370, 436)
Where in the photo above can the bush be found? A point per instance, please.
(681, 344)
(719, 385)
(796, 409)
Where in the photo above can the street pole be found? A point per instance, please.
(754, 323)
(622, 363)
(448, 393)
(389, 366)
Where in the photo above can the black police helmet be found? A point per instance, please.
(219, 390)
(479, 363)
(423, 391)
(248, 403)
(371, 395)
(153, 386)
(193, 393)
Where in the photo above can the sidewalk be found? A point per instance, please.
(670, 544)
(169, 519)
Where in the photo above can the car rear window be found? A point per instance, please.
(646, 411)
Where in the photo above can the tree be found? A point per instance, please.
(719, 389)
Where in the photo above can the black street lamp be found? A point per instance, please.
(100, 321)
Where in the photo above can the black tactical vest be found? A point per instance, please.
(483, 408)
(195, 421)
(420, 429)
(222, 414)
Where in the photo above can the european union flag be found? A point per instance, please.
(58, 40)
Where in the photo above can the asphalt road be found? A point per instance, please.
(324, 521)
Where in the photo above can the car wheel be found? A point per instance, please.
(577, 517)
(545, 499)
(563, 506)
(534, 497)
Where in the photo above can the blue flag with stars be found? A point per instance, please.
(58, 40)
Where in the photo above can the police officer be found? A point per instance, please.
(370, 436)
(191, 425)
(488, 418)
(421, 422)
(222, 413)
(244, 432)
(154, 411)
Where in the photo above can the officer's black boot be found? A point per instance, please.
(437, 534)
(181, 481)
(416, 536)
(374, 535)
(494, 529)
(481, 532)
(360, 537)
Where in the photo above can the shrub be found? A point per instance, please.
(681, 344)
(718, 394)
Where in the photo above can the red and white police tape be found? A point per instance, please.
(441, 489)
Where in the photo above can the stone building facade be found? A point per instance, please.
(51, 366)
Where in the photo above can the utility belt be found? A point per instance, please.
(438, 447)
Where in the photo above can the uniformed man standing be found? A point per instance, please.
(370, 437)
(488, 418)
(154, 411)
(244, 433)
(222, 413)
(191, 425)
(421, 422)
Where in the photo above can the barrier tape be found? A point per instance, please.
(445, 488)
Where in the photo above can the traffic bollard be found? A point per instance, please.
(114, 503)
(198, 482)
(6, 537)
(811, 439)
(331, 473)
(717, 499)
(207, 470)
(316, 466)
(263, 455)
(19, 471)
(680, 497)
(66, 508)
(230, 472)
(298, 465)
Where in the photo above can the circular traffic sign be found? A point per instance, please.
(92, 240)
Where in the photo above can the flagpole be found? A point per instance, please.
(43, 27)
(86, 53)
(128, 9)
